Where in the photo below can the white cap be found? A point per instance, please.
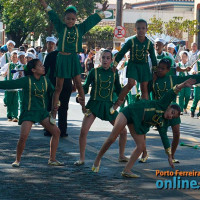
(182, 52)
(51, 39)
(114, 51)
(171, 45)
(10, 41)
(29, 54)
(16, 52)
(160, 40)
(20, 53)
(32, 49)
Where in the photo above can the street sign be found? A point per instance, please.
(119, 32)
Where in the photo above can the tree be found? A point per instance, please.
(23, 17)
(99, 36)
(175, 27)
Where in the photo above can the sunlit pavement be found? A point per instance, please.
(36, 180)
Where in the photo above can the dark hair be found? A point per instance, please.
(167, 61)
(141, 21)
(30, 65)
(185, 54)
(107, 51)
(21, 48)
(176, 107)
(70, 10)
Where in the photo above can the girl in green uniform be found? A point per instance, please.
(183, 69)
(35, 89)
(138, 67)
(139, 117)
(104, 81)
(70, 43)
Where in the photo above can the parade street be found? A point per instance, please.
(36, 180)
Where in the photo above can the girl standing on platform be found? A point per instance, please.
(138, 67)
(70, 43)
(35, 88)
(104, 81)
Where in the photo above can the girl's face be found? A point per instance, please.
(28, 59)
(22, 59)
(184, 58)
(39, 69)
(14, 58)
(106, 60)
(171, 113)
(10, 47)
(162, 70)
(170, 50)
(159, 47)
(70, 19)
(141, 29)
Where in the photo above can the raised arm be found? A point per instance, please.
(14, 84)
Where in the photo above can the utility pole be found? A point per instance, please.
(197, 17)
(116, 41)
(119, 13)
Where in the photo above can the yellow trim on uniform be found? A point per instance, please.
(171, 81)
(76, 39)
(29, 102)
(149, 109)
(95, 92)
(112, 86)
(159, 111)
(63, 41)
(132, 48)
(148, 45)
(45, 80)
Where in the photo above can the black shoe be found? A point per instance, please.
(63, 135)
(192, 114)
(46, 133)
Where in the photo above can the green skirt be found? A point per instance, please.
(101, 109)
(67, 66)
(34, 116)
(138, 71)
(134, 114)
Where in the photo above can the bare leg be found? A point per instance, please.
(77, 81)
(87, 122)
(54, 130)
(25, 130)
(144, 90)
(144, 153)
(124, 92)
(122, 143)
(56, 95)
(140, 144)
(119, 125)
(176, 136)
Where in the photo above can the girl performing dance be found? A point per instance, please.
(139, 117)
(70, 43)
(138, 66)
(104, 81)
(35, 88)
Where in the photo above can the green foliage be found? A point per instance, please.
(156, 26)
(25, 16)
(175, 27)
(99, 35)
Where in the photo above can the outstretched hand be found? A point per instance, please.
(105, 6)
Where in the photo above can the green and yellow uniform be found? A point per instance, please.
(12, 97)
(104, 83)
(138, 66)
(34, 96)
(146, 113)
(184, 95)
(70, 43)
(196, 91)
